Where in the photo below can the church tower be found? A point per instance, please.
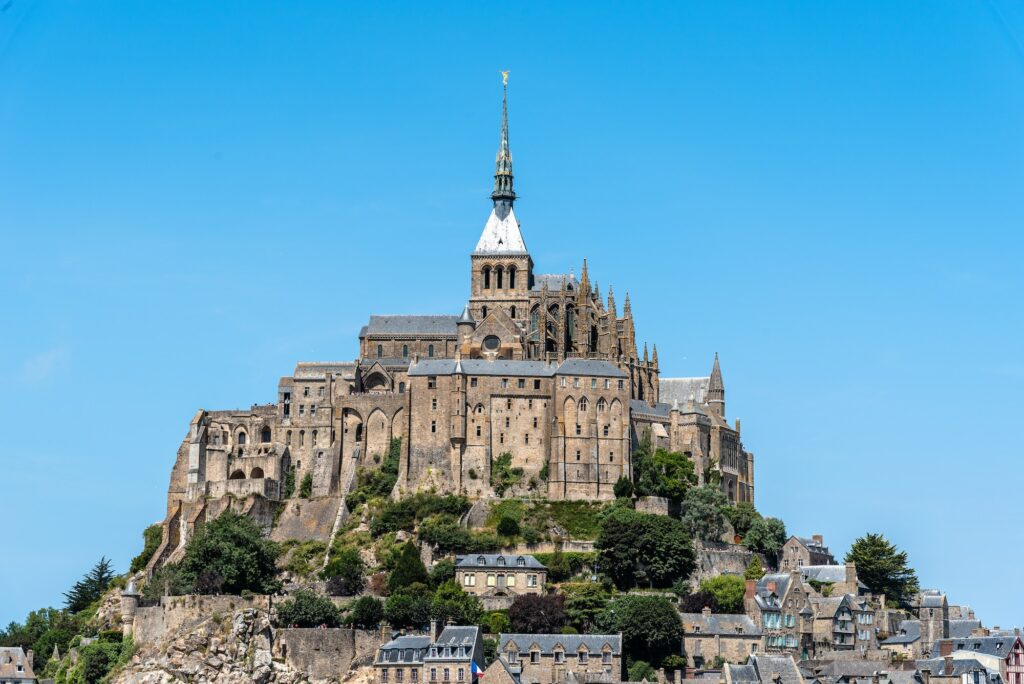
(502, 270)
(716, 390)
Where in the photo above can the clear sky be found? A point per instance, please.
(194, 196)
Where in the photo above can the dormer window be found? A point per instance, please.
(521, 562)
(481, 560)
(501, 560)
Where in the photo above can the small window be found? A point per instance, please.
(490, 579)
(472, 382)
(508, 421)
(521, 383)
(607, 383)
(433, 426)
(314, 437)
(535, 421)
(241, 437)
(405, 351)
(477, 430)
(433, 404)
(504, 383)
(431, 382)
(401, 388)
(320, 391)
(579, 429)
(593, 383)
(534, 657)
(526, 437)
(584, 404)
(512, 312)
(305, 391)
(312, 410)
(577, 454)
(508, 404)
(622, 384)
(559, 656)
(302, 437)
(575, 382)
(380, 351)
(583, 656)
(606, 658)
(605, 430)
(430, 351)
(521, 562)
(562, 382)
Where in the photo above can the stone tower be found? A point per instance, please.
(716, 390)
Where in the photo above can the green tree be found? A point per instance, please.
(641, 671)
(503, 475)
(442, 571)
(559, 569)
(537, 613)
(95, 660)
(767, 536)
(754, 570)
(640, 548)
(650, 625)
(450, 602)
(742, 516)
(728, 591)
(584, 602)
(702, 512)
(508, 526)
(306, 487)
(884, 568)
(90, 588)
(344, 573)
(151, 536)
(408, 570)
(230, 555)
(365, 612)
(662, 473)
(289, 483)
(623, 488)
(409, 607)
(307, 609)
(698, 601)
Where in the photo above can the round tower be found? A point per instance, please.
(129, 605)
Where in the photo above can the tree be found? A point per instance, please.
(883, 568)
(408, 570)
(662, 473)
(754, 570)
(409, 607)
(503, 475)
(742, 516)
(767, 536)
(307, 609)
(230, 552)
(344, 573)
(584, 602)
(641, 671)
(559, 569)
(702, 512)
(537, 613)
(151, 536)
(508, 526)
(90, 588)
(443, 571)
(638, 547)
(365, 612)
(650, 626)
(698, 601)
(623, 488)
(306, 487)
(289, 483)
(450, 602)
(728, 591)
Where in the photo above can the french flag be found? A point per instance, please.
(475, 669)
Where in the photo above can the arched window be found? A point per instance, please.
(314, 437)
(405, 351)
(487, 277)
(500, 272)
(265, 434)
(237, 475)
(512, 312)
(511, 277)
(483, 310)
(256, 474)
(430, 351)
(534, 320)
(401, 388)
(583, 404)
(241, 437)
(288, 438)
(359, 432)
(380, 351)
(601, 405)
(302, 437)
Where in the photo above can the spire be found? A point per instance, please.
(627, 310)
(611, 303)
(646, 358)
(655, 357)
(715, 381)
(503, 194)
(466, 316)
(716, 389)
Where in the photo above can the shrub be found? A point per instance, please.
(503, 475)
(754, 570)
(702, 512)
(305, 557)
(344, 573)
(728, 591)
(230, 554)
(409, 606)
(742, 516)
(641, 670)
(366, 612)
(377, 482)
(638, 547)
(152, 536)
(508, 527)
(650, 626)
(443, 571)
(537, 613)
(497, 622)
(307, 609)
(767, 536)
(623, 488)
(584, 602)
(394, 516)
(289, 483)
(408, 570)
(450, 602)
(306, 488)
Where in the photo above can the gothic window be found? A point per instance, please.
(430, 351)
(314, 437)
(583, 404)
(512, 283)
(500, 272)
(600, 405)
(265, 434)
(534, 320)
(380, 351)
(241, 437)
(288, 438)
(256, 474)
(512, 312)
(483, 310)
(570, 326)
(302, 437)
(405, 351)
(359, 432)
(487, 277)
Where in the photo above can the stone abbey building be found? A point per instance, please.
(538, 366)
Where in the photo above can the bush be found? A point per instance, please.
(366, 612)
(409, 607)
(152, 536)
(563, 565)
(230, 555)
(497, 622)
(450, 602)
(443, 532)
(728, 591)
(306, 488)
(508, 527)
(307, 609)
(767, 536)
(623, 488)
(289, 483)
(344, 573)
(305, 557)
(641, 670)
(443, 571)
(394, 516)
(584, 602)
(754, 570)
(742, 516)
(537, 613)
(378, 482)
(503, 475)
(703, 512)
(650, 626)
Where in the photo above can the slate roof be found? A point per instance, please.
(11, 657)
(317, 370)
(764, 666)
(453, 636)
(962, 628)
(961, 666)
(658, 410)
(781, 581)
(590, 367)
(570, 642)
(997, 646)
(404, 649)
(493, 560)
(723, 624)
(386, 361)
(680, 389)
(910, 632)
(812, 543)
(554, 281)
(428, 326)
(483, 367)
(501, 236)
(824, 573)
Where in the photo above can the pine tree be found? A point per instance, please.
(883, 568)
(90, 588)
(754, 570)
(408, 570)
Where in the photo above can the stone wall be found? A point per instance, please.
(173, 613)
(325, 653)
(720, 559)
(307, 519)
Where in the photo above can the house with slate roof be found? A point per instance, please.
(541, 369)
(800, 551)
(450, 658)
(16, 666)
(764, 669)
(778, 603)
(1003, 654)
(559, 658)
(499, 575)
(906, 642)
(708, 637)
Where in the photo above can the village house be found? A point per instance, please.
(16, 666)
(763, 669)
(489, 574)
(559, 658)
(778, 605)
(843, 623)
(906, 644)
(421, 659)
(800, 551)
(708, 637)
(950, 670)
(832, 580)
(1003, 654)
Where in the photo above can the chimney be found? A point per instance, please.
(706, 611)
(948, 668)
(751, 589)
(945, 647)
(926, 675)
(818, 538)
(851, 573)
(385, 632)
(433, 628)
(29, 657)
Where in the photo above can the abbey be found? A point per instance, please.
(539, 372)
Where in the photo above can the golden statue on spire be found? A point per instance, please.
(504, 78)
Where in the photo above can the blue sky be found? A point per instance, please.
(194, 196)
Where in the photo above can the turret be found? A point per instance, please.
(465, 325)
(716, 390)
(129, 605)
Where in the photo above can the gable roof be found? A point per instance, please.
(501, 235)
(428, 326)
(720, 624)
(11, 658)
(497, 560)
(681, 389)
(991, 645)
(570, 643)
(404, 649)
(910, 632)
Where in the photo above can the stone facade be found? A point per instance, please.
(487, 575)
(452, 658)
(559, 658)
(800, 551)
(707, 637)
(541, 370)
